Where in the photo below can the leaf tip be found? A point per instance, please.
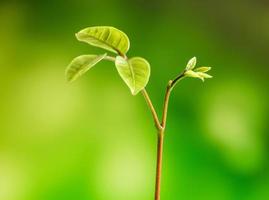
(69, 80)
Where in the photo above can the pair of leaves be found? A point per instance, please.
(135, 71)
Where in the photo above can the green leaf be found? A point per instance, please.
(191, 64)
(135, 72)
(105, 37)
(80, 65)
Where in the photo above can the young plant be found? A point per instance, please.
(135, 72)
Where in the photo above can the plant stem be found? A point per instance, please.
(159, 164)
(160, 143)
(152, 109)
(166, 102)
(161, 129)
(159, 126)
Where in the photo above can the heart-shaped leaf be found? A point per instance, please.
(105, 37)
(80, 65)
(135, 72)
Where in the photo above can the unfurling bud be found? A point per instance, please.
(196, 73)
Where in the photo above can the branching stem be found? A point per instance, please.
(160, 126)
(161, 129)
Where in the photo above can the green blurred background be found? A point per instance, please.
(94, 140)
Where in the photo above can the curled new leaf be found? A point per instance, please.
(81, 65)
(135, 72)
(204, 75)
(202, 69)
(191, 64)
(105, 37)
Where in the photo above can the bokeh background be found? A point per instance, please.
(94, 140)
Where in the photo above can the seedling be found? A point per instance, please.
(135, 72)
